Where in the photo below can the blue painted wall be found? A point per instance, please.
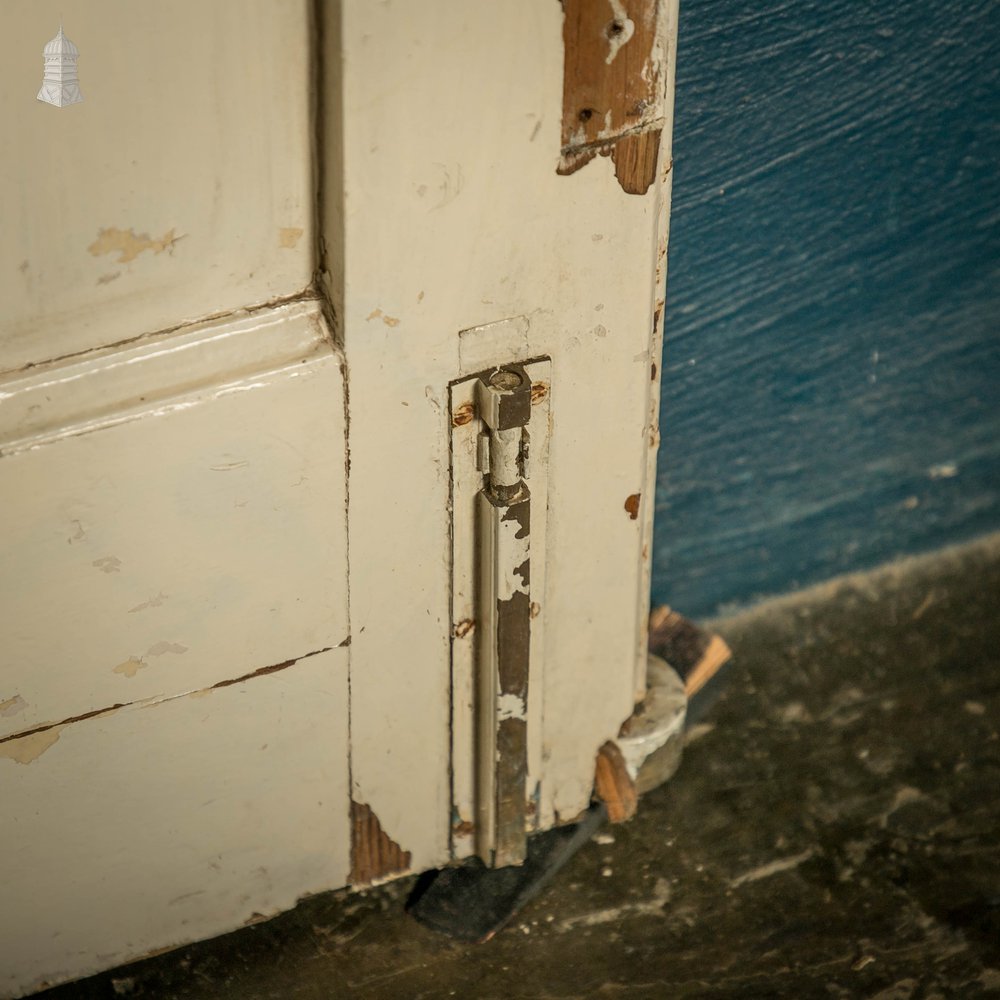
(832, 358)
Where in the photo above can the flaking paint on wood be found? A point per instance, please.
(178, 134)
(613, 87)
(188, 817)
(374, 854)
(228, 440)
(542, 262)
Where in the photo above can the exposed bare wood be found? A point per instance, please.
(613, 83)
(695, 654)
(635, 160)
(374, 854)
(613, 785)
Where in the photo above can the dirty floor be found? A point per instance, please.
(834, 831)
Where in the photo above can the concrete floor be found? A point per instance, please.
(834, 831)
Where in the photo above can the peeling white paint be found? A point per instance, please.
(511, 706)
(516, 552)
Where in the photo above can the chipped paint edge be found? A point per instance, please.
(667, 35)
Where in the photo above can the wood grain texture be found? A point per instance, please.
(374, 854)
(613, 85)
(613, 784)
(832, 355)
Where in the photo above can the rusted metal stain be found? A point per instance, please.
(613, 785)
(613, 82)
(463, 415)
(13, 705)
(378, 314)
(374, 854)
(632, 505)
(539, 390)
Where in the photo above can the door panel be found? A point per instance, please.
(228, 492)
(151, 826)
(180, 187)
(151, 551)
(444, 212)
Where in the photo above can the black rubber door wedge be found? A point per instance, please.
(472, 902)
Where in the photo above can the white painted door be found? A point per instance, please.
(244, 281)
(173, 563)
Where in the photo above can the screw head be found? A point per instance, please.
(505, 381)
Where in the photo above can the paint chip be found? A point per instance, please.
(511, 706)
(129, 244)
(25, 749)
(632, 505)
(153, 602)
(289, 237)
(378, 314)
(12, 706)
(159, 648)
(129, 667)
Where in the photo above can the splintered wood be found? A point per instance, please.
(613, 88)
(695, 654)
(613, 785)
